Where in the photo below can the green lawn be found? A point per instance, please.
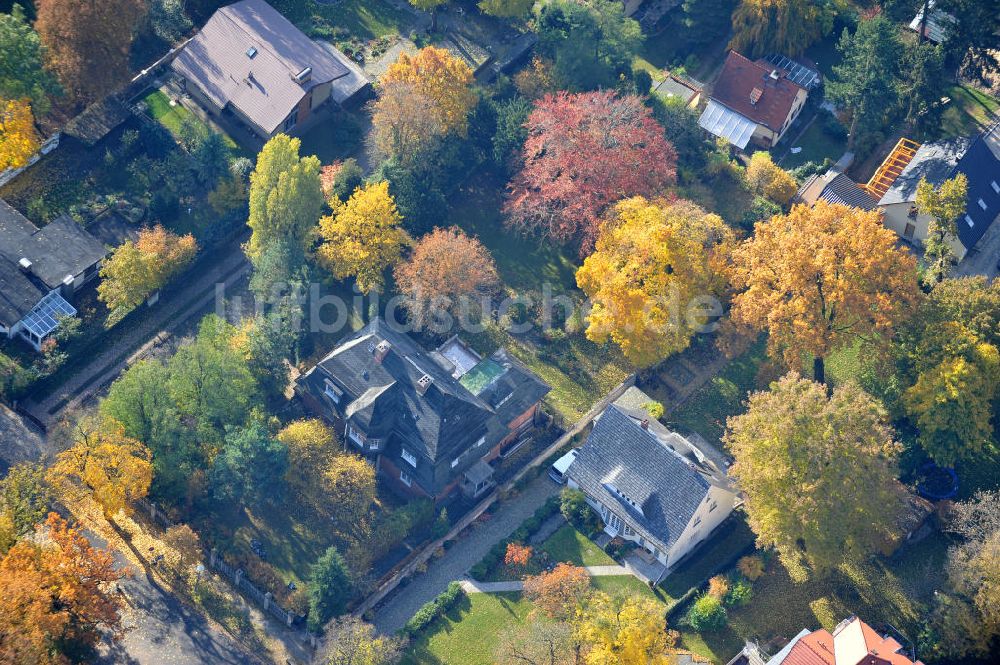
(732, 538)
(470, 632)
(293, 535)
(174, 117)
(365, 19)
(579, 371)
(816, 145)
(722, 194)
(567, 545)
(705, 412)
(969, 111)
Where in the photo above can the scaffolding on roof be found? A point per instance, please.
(891, 168)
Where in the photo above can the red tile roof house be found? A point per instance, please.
(752, 101)
(250, 62)
(852, 642)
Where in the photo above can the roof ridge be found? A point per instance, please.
(224, 11)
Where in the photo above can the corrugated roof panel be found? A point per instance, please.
(727, 124)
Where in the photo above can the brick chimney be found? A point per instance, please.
(382, 350)
(423, 383)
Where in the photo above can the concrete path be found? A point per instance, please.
(472, 586)
(466, 552)
(230, 267)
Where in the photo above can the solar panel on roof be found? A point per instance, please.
(44, 317)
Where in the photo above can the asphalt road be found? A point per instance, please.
(160, 630)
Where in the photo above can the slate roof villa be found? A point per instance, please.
(39, 270)
(250, 62)
(651, 485)
(432, 421)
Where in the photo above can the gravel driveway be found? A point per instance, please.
(466, 552)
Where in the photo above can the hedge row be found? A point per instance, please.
(527, 528)
(433, 609)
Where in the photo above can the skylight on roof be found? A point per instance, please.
(968, 220)
(251, 52)
(982, 204)
(996, 187)
(44, 317)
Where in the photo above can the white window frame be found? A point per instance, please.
(357, 436)
(405, 478)
(455, 462)
(331, 390)
(408, 457)
(374, 444)
(481, 441)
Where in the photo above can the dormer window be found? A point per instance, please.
(331, 390)
(409, 457)
(251, 52)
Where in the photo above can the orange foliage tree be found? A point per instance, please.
(449, 272)
(88, 42)
(517, 555)
(819, 279)
(557, 593)
(437, 75)
(54, 604)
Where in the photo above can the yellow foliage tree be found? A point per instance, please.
(761, 27)
(363, 236)
(115, 468)
(952, 404)
(798, 454)
(654, 260)
(18, 139)
(439, 76)
(137, 269)
(623, 630)
(768, 179)
(536, 81)
(818, 279)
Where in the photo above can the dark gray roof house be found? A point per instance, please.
(414, 411)
(37, 268)
(978, 158)
(650, 484)
(250, 60)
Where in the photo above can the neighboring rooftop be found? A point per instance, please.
(18, 293)
(252, 57)
(755, 92)
(676, 87)
(798, 73)
(835, 187)
(852, 642)
(58, 250)
(933, 161)
(937, 26)
(977, 158)
(655, 474)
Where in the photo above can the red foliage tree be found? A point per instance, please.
(585, 152)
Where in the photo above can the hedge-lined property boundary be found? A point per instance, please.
(433, 610)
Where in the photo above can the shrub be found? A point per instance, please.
(739, 593)
(433, 609)
(707, 614)
(718, 587)
(576, 510)
(752, 567)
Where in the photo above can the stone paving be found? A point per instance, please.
(465, 553)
